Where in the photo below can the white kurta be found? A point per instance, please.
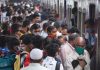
(68, 54)
(34, 66)
(50, 63)
(75, 56)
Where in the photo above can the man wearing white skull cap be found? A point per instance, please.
(36, 58)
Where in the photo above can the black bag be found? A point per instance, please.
(75, 63)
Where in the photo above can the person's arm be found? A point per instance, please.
(62, 54)
(69, 66)
(81, 66)
(87, 59)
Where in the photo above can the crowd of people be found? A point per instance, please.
(34, 37)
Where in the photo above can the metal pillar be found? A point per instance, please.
(58, 6)
(64, 8)
(98, 48)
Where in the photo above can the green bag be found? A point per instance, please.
(7, 62)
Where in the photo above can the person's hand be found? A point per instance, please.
(82, 63)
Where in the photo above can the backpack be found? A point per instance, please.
(7, 62)
(25, 59)
(23, 56)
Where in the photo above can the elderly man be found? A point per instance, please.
(36, 58)
(67, 48)
(80, 59)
